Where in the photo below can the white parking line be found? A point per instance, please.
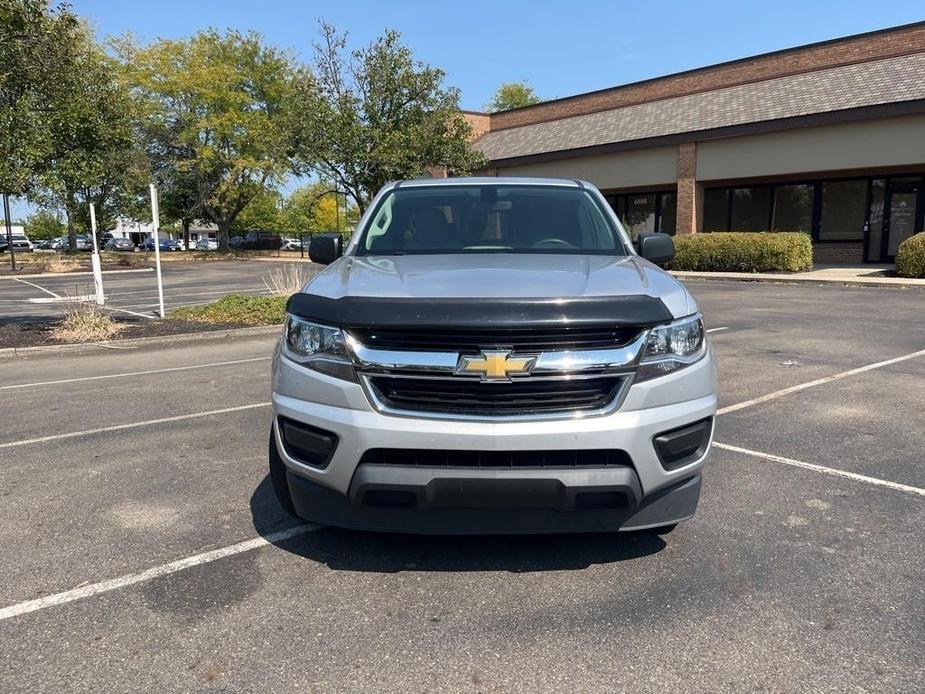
(818, 382)
(32, 284)
(716, 330)
(132, 425)
(149, 574)
(821, 468)
(133, 373)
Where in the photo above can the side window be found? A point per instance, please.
(381, 223)
(595, 233)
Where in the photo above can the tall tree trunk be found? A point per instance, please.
(70, 212)
(185, 223)
(224, 232)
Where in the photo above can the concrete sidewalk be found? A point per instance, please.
(854, 275)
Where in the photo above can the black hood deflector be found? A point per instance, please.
(383, 312)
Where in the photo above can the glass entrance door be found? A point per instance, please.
(902, 214)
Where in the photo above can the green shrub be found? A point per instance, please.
(736, 251)
(237, 308)
(910, 257)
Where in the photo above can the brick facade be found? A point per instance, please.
(690, 192)
(480, 122)
(853, 49)
(838, 253)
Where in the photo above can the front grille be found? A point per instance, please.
(470, 397)
(541, 340)
(593, 458)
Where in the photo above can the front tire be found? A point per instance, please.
(278, 477)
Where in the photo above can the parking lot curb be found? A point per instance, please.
(131, 343)
(787, 279)
(36, 275)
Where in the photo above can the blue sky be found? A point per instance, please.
(560, 48)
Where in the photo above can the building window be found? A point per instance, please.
(844, 204)
(793, 208)
(667, 213)
(751, 209)
(640, 214)
(646, 212)
(716, 209)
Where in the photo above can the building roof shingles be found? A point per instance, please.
(872, 83)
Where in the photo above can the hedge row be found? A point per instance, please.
(910, 257)
(736, 251)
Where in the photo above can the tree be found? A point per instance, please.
(375, 115)
(91, 155)
(44, 224)
(512, 95)
(313, 208)
(212, 109)
(36, 57)
(262, 213)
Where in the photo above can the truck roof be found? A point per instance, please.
(492, 180)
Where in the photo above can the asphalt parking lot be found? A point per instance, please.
(134, 292)
(143, 550)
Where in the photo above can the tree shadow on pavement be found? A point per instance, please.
(352, 550)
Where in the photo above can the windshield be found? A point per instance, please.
(489, 218)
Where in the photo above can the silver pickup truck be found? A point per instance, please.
(492, 355)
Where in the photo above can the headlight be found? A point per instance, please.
(318, 347)
(672, 347)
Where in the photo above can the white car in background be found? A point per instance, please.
(207, 245)
(21, 243)
(290, 243)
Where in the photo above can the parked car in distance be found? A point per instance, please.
(207, 244)
(62, 244)
(43, 244)
(21, 243)
(119, 244)
(236, 242)
(261, 241)
(3, 243)
(290, 244)
(164, 245)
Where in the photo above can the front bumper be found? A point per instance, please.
(485, 500)
(500, 496)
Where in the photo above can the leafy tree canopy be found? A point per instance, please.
(316, 208)
(37, 54)
(374, 115)
(212, 110)
(44, 224)
(262, 213)
(512, 95)
(91, 154)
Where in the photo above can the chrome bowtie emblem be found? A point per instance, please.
(495, 365)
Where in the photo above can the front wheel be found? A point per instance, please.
(278, 477)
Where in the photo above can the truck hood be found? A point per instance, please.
(500, 276)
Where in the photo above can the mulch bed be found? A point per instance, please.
(22, 334)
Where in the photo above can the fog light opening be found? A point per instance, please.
(682, 446)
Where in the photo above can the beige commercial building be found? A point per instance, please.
(828, 139)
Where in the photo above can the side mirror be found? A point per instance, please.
(656, 248)
(324, 249)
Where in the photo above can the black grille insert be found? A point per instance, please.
(470, 397)
(590, 458)
(533, 340)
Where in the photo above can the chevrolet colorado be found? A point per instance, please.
(491, 355)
